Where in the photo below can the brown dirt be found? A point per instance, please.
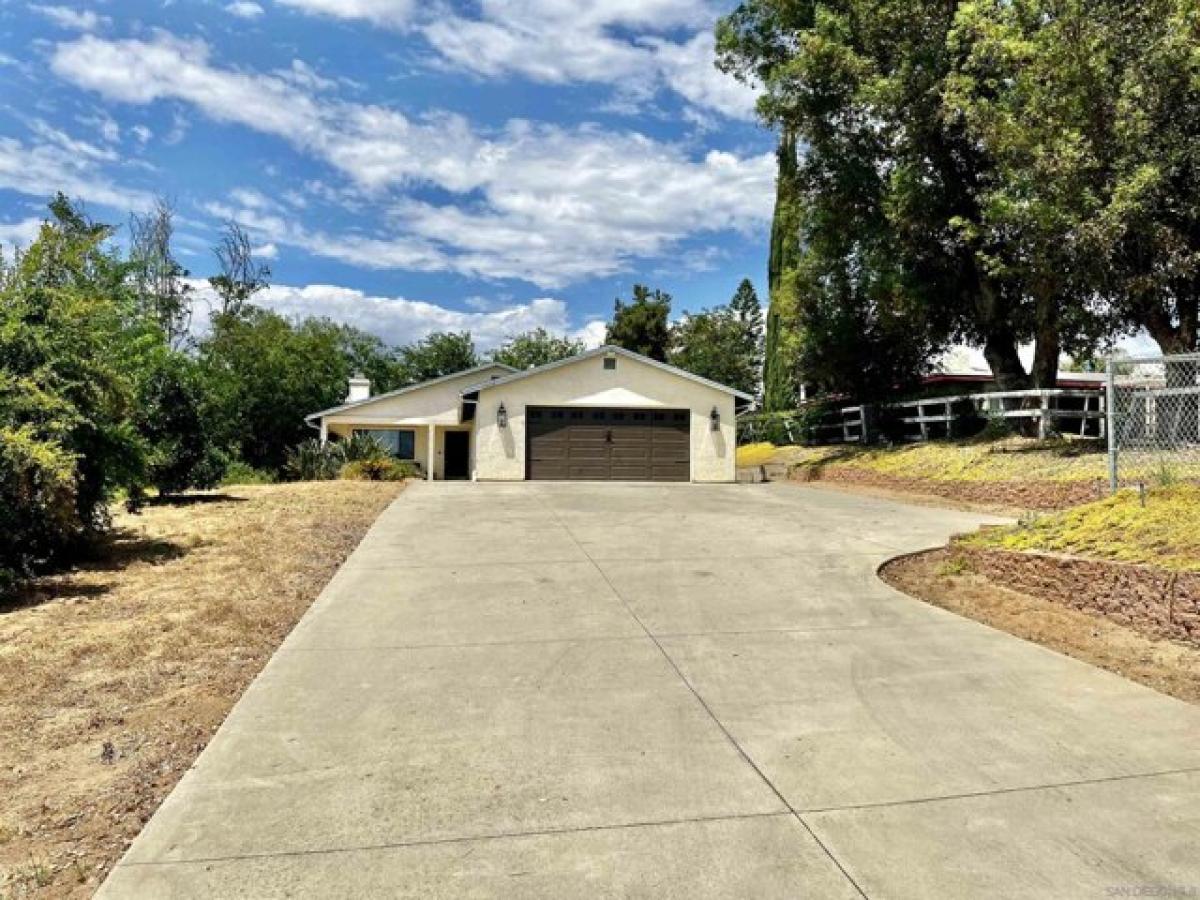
(114, 676)
(1167, 666)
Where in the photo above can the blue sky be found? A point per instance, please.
(407, 166)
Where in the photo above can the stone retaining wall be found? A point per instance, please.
(1152, 600)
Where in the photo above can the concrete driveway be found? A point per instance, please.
(614, 690)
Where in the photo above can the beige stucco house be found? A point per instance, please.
(608, 414)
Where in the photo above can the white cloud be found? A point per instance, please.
(142, 133)
(42, 169)
(19, 234)
(630, 44)
(592, 334)
(388, 13)
(546, 204)
(266, 251)
(71, 19)
(244, 9)
(398, 320)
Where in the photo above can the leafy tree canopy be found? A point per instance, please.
(536, 348)
(442, 353)
(642, 325)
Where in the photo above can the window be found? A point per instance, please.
(610, 362)
(401, 443)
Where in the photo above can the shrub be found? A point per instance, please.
(170, 416)
(238, 472)
(360, 447)
(783, 429)
(386, 469)
(38, 511)
(313, 461)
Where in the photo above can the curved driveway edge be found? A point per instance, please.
(618, 690)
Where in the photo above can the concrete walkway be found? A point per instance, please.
(585, 690)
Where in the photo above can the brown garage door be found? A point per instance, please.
(571, 444)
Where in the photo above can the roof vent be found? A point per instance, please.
(360, 389)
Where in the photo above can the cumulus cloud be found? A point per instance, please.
(399, 320)
(542, 203)
(19, 234)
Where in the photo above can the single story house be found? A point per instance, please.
(608, 415)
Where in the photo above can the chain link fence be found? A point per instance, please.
(1153, 423)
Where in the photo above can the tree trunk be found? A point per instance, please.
(999, 339)
(1048, 347)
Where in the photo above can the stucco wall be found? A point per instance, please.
(500, 452)
(438, 403)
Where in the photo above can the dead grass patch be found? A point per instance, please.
(935, 577)
(114, 676)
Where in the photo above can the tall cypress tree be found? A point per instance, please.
(780, 381)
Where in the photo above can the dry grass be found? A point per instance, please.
(1167, 666)
(1006, 459)
(113, 677)
(1165, 531)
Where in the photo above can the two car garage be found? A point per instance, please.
(607, 444)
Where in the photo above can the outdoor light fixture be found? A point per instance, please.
(715, 418)
(502, 416)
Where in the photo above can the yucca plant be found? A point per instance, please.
(361, 447)
(313, 461)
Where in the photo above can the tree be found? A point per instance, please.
(641, 326)
(265, 375)
(1091, 111)
(748, 310)
(172, 414)
(69, 339)
(536, 348)
(780, 376)
(723, 344)
(241, 275)
(441, 353)
(898, 183)
(159, 280)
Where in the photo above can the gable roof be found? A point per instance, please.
(599, 351)
(482, 367)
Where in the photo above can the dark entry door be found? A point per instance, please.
(567, 444)
(457, 455)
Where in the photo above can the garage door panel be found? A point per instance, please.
(608, 444)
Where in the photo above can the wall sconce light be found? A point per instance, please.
(715, 418)
(502, 416)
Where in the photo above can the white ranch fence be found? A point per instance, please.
(1060, 410)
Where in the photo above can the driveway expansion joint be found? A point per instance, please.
(1022, 789)
(459, 839)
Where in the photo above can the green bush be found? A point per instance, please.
(170, 417)
(313, 461)
(361, 447)
(386, 469)
(38, 511)
(784, 429)
(238, 472)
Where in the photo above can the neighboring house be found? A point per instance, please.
(607, 415)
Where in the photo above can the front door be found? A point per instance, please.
(458, 455)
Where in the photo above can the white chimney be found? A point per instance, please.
(360, 389)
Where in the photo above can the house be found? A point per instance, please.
(608, 414)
